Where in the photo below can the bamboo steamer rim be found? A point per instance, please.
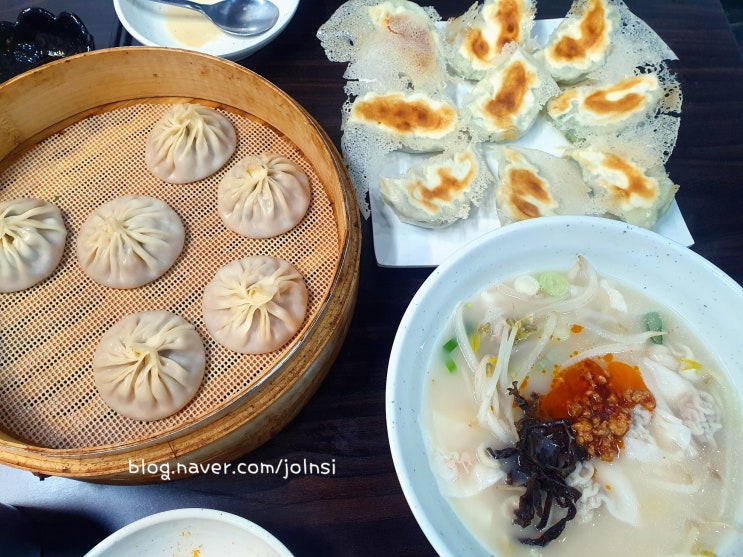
(90, 80)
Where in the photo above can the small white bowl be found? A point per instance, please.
(675, 276)
(156, 24)
(203, 532)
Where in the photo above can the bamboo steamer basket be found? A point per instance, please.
(98, 105)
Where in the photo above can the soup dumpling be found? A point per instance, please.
(149, 365)
(263, 196)
(189, 142)
(32, 240)
(130, 241)
(255, 305)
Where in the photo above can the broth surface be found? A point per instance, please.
(673, 488)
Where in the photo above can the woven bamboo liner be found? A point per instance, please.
(88, 148)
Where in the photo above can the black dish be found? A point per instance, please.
(38, 37)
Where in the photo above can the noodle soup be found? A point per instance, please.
(566, 415)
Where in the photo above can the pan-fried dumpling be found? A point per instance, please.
(605, 108)
(638, 115)
(417, 121)
(190, 142)
(623, 189)
(480, 34)
(506, 102)
(255, 305)
(263, 196)
(582, 41)
(32, 240)
(534, 183)
(602, 42)
(129, 241)
(149, 365)
(389, 45)
(439, 191)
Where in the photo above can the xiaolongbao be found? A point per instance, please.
(32, 240)
(263, 196)
(255, 305)
(190, 142)
(130, 241)
(149, 365)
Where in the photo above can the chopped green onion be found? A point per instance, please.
(450, 345)
(451, 365)
(553, 283)
(653, 322)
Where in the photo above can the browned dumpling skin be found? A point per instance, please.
(437, 192)
(606, 106)
(638, 185)
(527, 195)
(403, 115)
(581, 43)
(624, 188)
(619, 98)
(505, 16)
(593, 35)
(481, 34)
(534, 183)
(417, 120)
(506, 102)
(509, 100)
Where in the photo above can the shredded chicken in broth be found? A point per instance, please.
(567, 414)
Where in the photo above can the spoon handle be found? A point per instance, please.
(183, 4)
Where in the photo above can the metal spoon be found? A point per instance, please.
(237, 17)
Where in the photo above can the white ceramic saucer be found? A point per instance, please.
(203, 532)
(156, 24)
